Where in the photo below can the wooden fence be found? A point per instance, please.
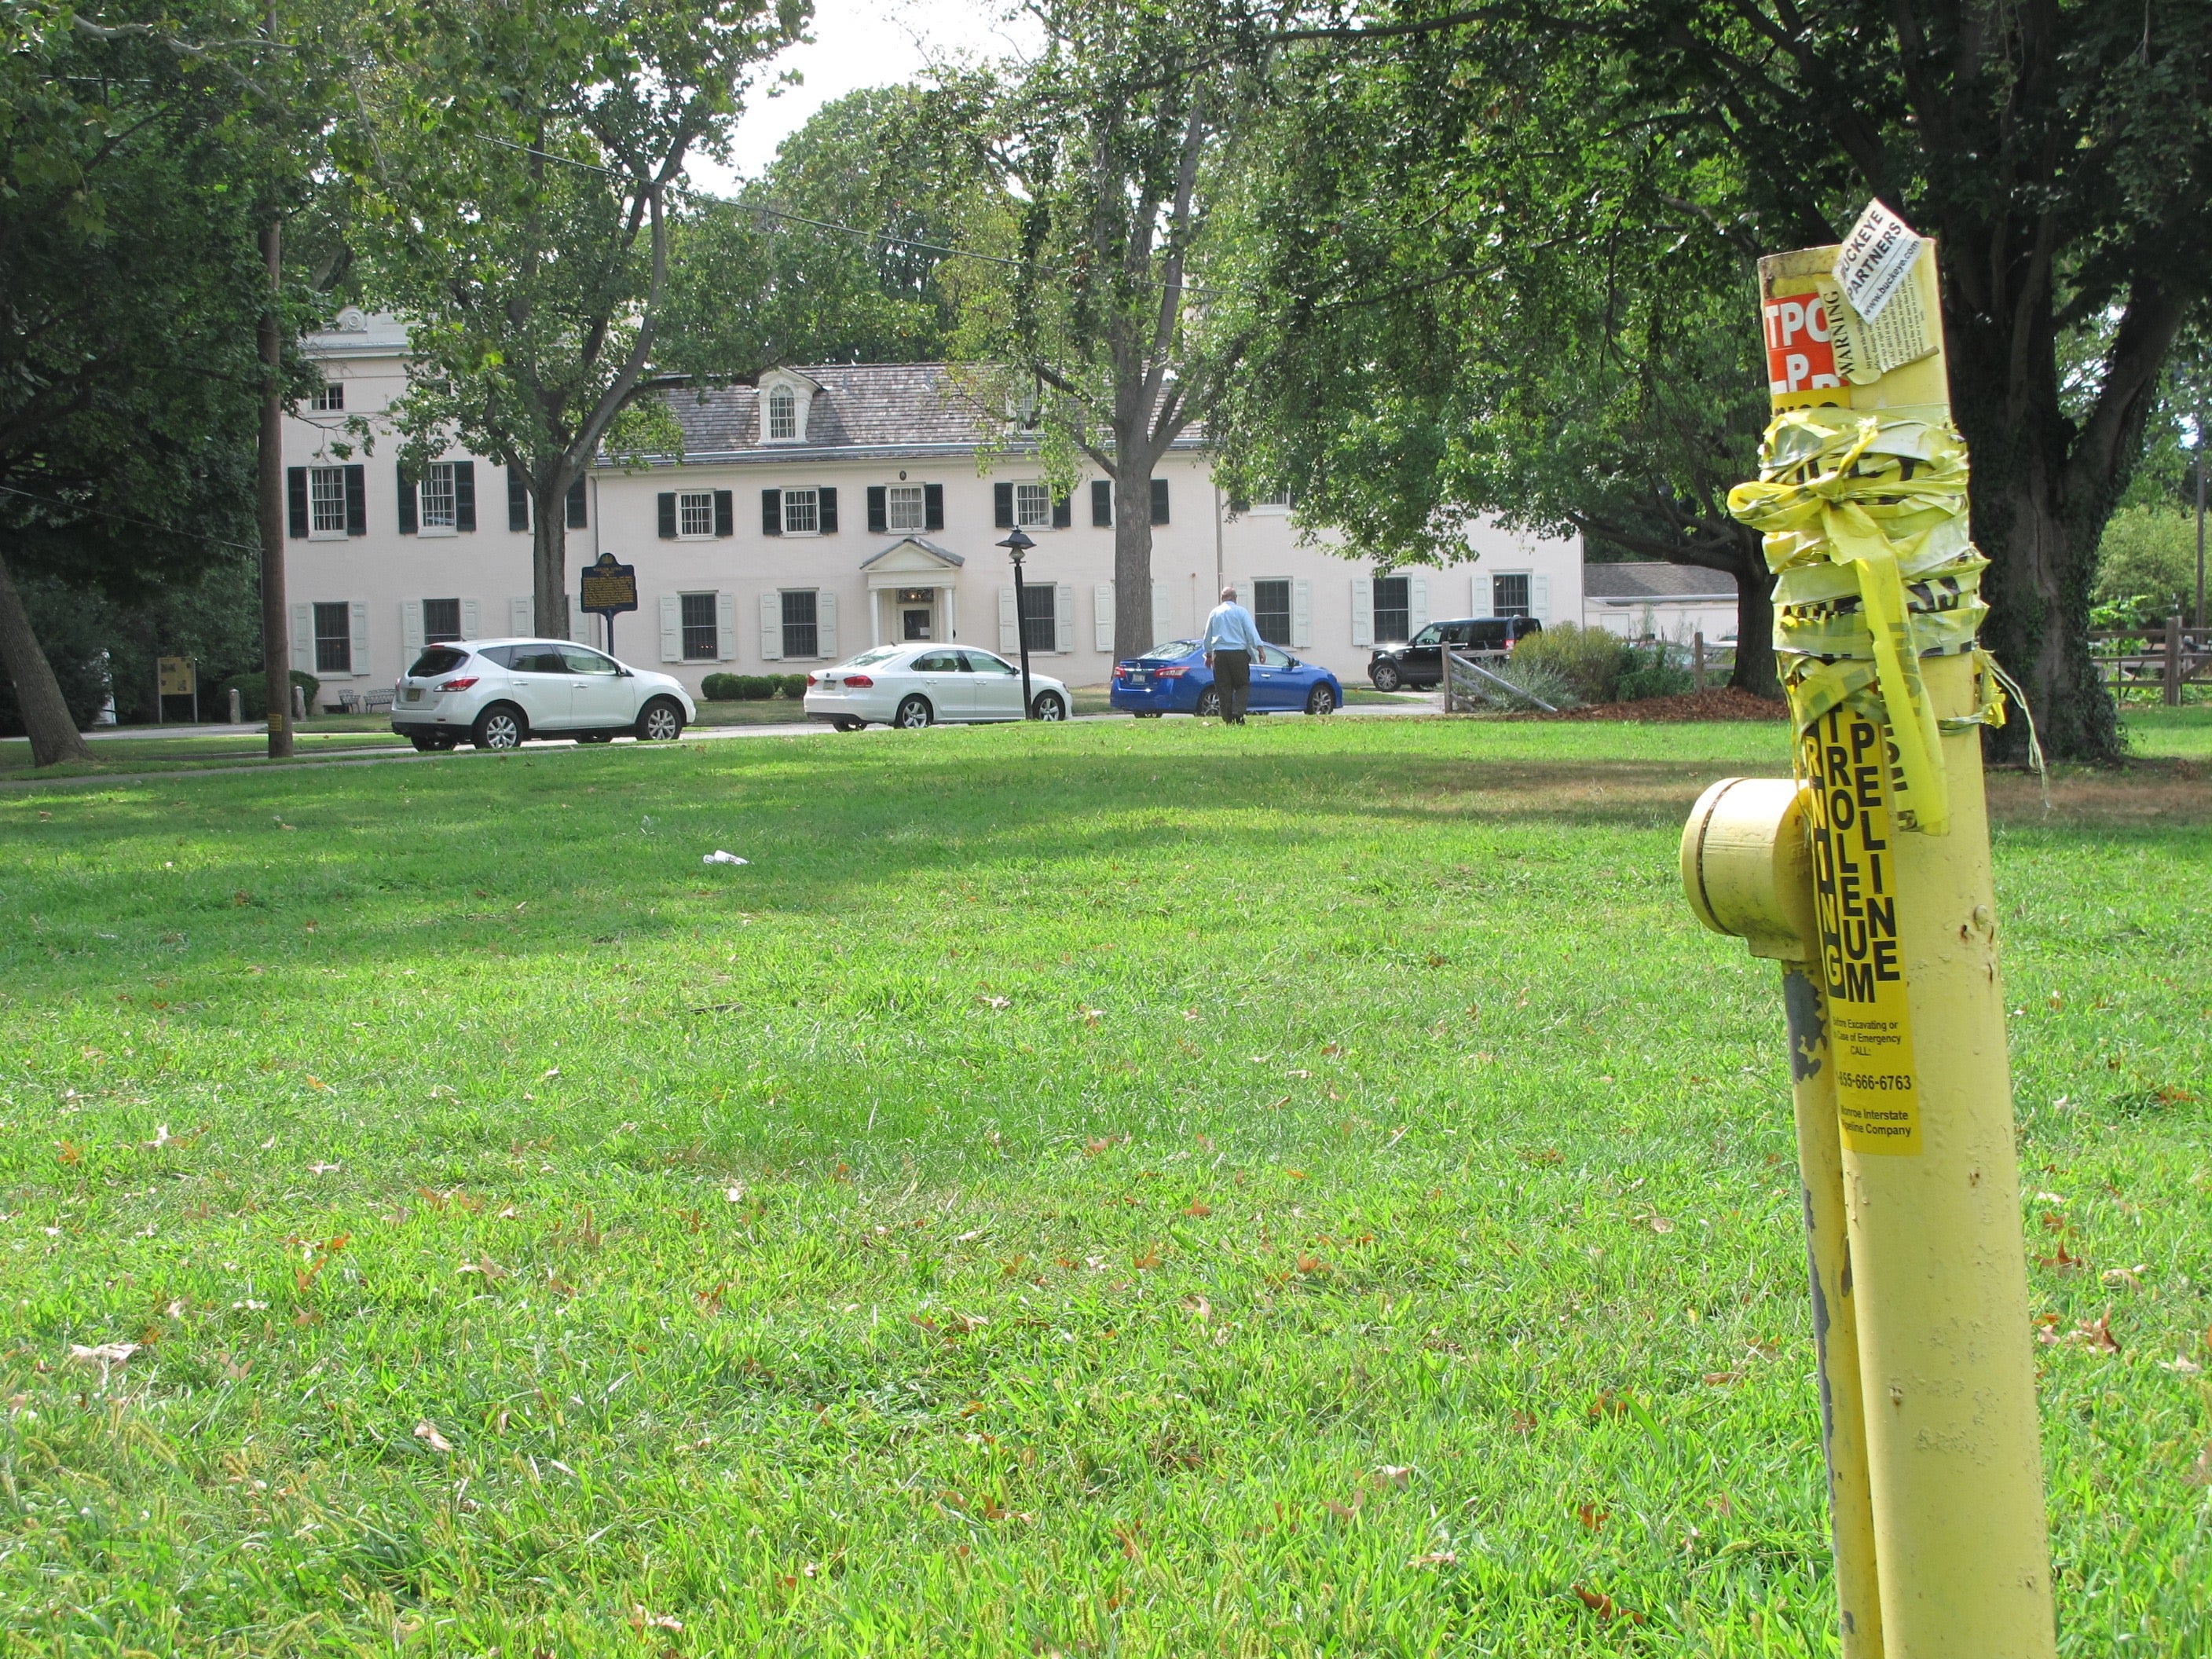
(2152, 661)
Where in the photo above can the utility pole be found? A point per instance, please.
(2200, 524)
(276, 622)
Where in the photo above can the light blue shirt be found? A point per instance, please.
(1230, 627)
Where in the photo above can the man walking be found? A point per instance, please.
(1232, 641)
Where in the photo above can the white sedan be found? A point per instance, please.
(918, 685)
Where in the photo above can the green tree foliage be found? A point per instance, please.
(2058, 153)
(525, 158)
(2149, 563)
(1541, 324)
(130, 169)
(784, 253)
(1117, 141)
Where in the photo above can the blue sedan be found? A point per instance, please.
(1173, 679)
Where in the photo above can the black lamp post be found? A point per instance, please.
(1016, 545)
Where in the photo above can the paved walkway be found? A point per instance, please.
(1423, 705)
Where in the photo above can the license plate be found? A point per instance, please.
(414, 693)
(1139, 678)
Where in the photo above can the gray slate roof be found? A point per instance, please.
(864, 411)
(1654, 583)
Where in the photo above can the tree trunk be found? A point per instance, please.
(549, 555)
(54, 736)
(1133, 556)
(1755, 670)
(268, 480)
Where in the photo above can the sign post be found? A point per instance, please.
(1868, 875)
(174, 677)
(608, 589)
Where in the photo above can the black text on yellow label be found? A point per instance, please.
(1850, 763)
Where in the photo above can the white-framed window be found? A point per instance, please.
(1509, 594)
(801, 622)
(1394, 609)
(437, 497)
(334, 638)
(904, 507)
(1032, 505)
(802, 516)
(782, 413)
(326, 504)
(1040, 617)
(695, 514)
(328, 395)
(702, 626)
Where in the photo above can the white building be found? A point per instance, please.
(1647, 599)
(857, 516)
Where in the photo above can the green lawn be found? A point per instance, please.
(1124, 1189)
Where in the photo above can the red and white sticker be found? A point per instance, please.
(1800, 357)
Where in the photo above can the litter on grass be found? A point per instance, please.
(718, 856)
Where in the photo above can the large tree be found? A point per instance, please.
(1105, 342)
(528, 155)
(2058, 152)
(130, 291)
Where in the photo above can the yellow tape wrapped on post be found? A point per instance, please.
(1865, 526)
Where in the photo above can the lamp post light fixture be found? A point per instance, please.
(1016, 545)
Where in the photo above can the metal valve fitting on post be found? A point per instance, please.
(1747, 867)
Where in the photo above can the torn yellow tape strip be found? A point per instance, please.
(1864, 521)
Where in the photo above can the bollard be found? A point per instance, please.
(1869, 877)
(298, 703)
(237, 708)
(1698, 660)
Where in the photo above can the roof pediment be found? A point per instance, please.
(913, 554)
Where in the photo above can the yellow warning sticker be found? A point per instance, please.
(1851, 765)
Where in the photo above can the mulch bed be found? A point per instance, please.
(1726, 703)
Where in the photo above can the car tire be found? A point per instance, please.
(915, 713)
(502, 726)
(1049, 707)
(660, 720)
(1321, 700)
(850, 725)
(1385, 675)
(1209, 702)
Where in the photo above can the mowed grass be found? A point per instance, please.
(1144, 1188)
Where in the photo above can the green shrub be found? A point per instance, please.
(2146, 565)
(253, 696)
(1590, 659)
(719, 688)
(1542, 683)
(1652, 672)
(794, 686)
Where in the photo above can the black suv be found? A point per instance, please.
(1420, 661)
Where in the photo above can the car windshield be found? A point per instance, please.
(1169, 652)
(438, 659)
(1429, 635)
(881, 654)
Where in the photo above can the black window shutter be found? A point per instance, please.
(356, 492)
(771, 513)
(1063, 512)
(825, 501)
(406, 503)
(465, 495)
(932, 506)
(668, 515)
(1159, 501)
(577, 518)
(1002, 503)
(295, 502)
(517, 500)
(725, 512)
(879, 522)
(1101, 502)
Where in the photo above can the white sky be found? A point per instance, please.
(860, 43)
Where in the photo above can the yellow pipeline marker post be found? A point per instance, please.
(1861, 499)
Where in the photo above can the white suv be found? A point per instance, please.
(495, 693)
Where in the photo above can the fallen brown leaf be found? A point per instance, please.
(427, 1433)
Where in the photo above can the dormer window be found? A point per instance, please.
(782, 413)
